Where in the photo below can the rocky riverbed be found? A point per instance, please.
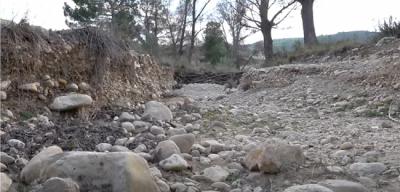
(316, 128)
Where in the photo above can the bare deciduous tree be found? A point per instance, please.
(173, 30)
(307, 15)
(176, 25)
(196, 14)
(182, 32)
(232, 13)
(263, 10)
(154, 15)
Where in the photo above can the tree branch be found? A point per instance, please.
(282, 9)
(252, 27)
(202, 9)
(287, 15)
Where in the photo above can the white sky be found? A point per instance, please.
(331, 16)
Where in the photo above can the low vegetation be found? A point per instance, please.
(390, 28)
(320, 50)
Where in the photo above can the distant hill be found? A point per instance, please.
(287, 44)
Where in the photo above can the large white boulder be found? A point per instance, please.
(96, 171)
(274, 156)
(165, 149)
(155, 110)
(71, 101)
(33, 169)
(184, 141)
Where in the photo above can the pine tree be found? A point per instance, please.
(117, 16)
(214, 44)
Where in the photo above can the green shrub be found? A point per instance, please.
(373, 113)
(25, 115)
(390, 28)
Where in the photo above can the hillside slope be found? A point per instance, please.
(287, 44)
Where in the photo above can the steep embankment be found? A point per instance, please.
(57, 61)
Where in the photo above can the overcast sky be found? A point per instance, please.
(331, 16)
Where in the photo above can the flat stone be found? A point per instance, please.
(343, 156)
(140, 148)
(44, 121)
(146, 156)
(4, 84)
(125, 116)
(213, 146)
(162, 185)
(3, 95)
(16, 143)
(346, 146)
(178, 187)
(103, 147)
(3, 167)
(119, 148)
(5, 182)
(343, 186)
(155, 172)
(335, 169)
(199, 148)
(236, 190)
(155, 110)
(218, 124)
(176, 131)
(274, 156)
(221, 186)
(183, 141)
(128, 126)
(32, 87)
(371, 156)
(174, 163)
(72, 87)
(367, 169)
(308, 188)
(60, 185)
(8, 113)
(6, 159)
(205, 161)
(367, 182)
(70, 102)
(165, 149)
(156, 130)
(216, 173)
(141, 126)
(84, 86)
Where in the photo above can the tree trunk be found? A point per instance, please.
(307, 15)
(266, 29)
(183, 29)
(235, 52)
(154, 42)
(193, 34)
